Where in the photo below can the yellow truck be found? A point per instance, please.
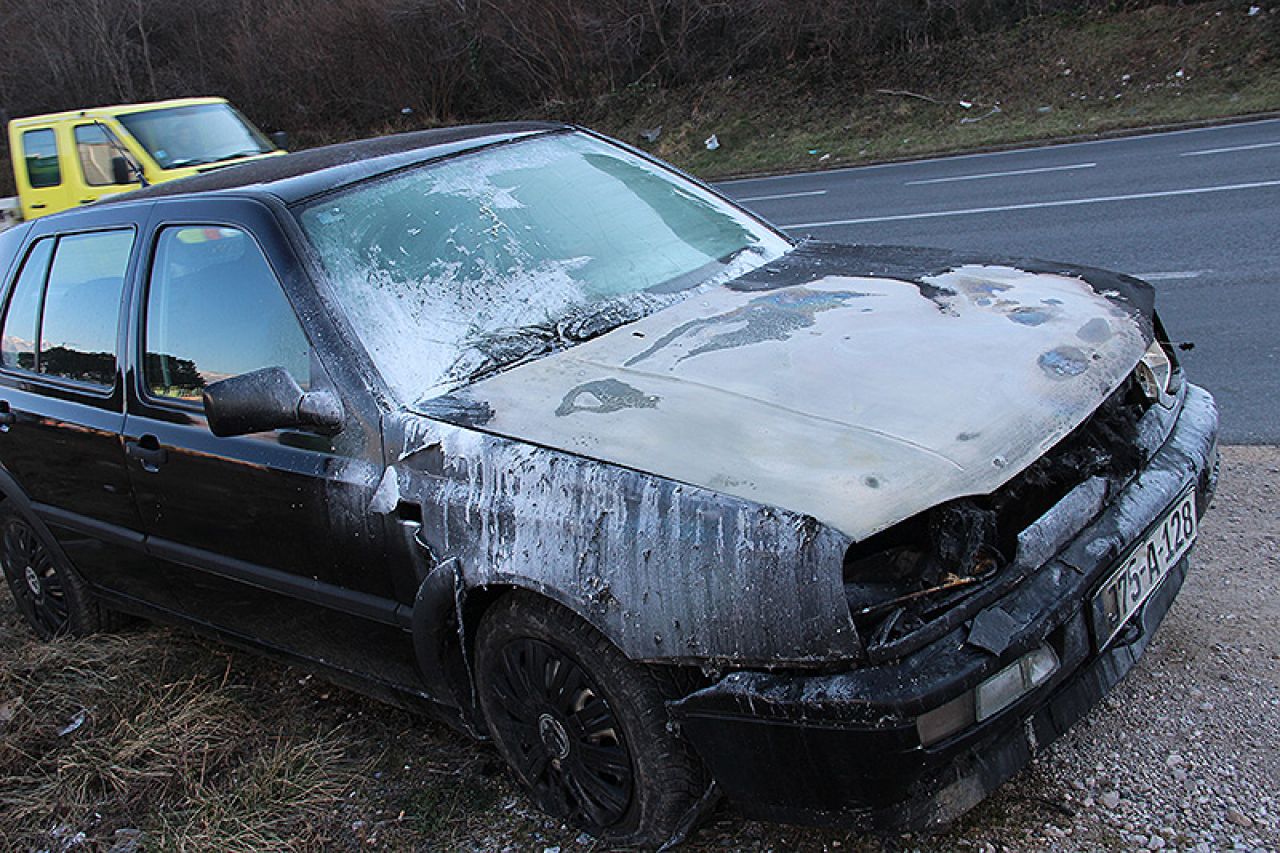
(69, 159)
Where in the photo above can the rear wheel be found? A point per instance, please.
(50, 596)
(583, 728)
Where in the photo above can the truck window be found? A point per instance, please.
(18, 347)
(194, 135)
(40, 149)
(82, 306)
(215, 309)
(96, 146)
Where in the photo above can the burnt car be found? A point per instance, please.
(519, 426)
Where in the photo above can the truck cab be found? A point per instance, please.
(65, 160)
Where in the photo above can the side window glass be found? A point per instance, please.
(215, 310)
(82, 306)
(18, 345)
(40, 149)
(96, 146)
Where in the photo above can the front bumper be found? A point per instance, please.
(843, 748)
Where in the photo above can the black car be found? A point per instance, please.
(517, 425)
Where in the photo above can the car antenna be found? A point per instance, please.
(123, 152)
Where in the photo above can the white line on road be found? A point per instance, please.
(1227, 150)
(781, 195)
(1001, 174)
(1036, 205)
(1172, 276)
(898, 164)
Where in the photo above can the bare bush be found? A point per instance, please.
(358, 65)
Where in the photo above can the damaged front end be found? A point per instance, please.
(982, 627)
(915, 581)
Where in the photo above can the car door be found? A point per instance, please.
(271, 529)
(62, 400)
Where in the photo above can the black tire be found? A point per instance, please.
(51, 597)
(584, 729)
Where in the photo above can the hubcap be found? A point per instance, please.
(33, 581)
(562, 736)
(555, 740)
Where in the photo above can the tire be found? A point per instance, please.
(51, 597)
(584, 729)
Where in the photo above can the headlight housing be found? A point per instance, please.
(1157, 374)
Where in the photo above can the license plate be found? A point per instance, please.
(1145, 566)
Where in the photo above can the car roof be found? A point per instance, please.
(300, 175)
(116, 110)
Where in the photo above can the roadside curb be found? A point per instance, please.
(1119, 133)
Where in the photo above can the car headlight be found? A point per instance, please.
(990, 697)
(1156, 375)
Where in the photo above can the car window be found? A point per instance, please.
(195, 134)
(18, 349)
(215, 309)
(96, 146)
(40, 149)
(82, 306)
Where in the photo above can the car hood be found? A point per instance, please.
(856, 386)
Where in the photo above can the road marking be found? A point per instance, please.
(1226, 150)
(1172, 276)
(1001, 174)
(1035, 205)
(982, 154)
(781, 195)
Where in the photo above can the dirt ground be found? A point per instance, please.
(154, 740)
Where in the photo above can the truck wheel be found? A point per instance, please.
(51, 597)
(583, 728)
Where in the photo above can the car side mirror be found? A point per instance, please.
(279, 139)
(122, 172)
(265, 400)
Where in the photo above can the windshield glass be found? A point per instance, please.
(452, 270)
(195, 135)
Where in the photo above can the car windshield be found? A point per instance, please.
(195, 135)
(455, 269)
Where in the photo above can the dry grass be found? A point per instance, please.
(169, 740)
(1051, 76)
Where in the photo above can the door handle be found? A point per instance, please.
(40, 206)
(147, 451)
(7, 417)
(87, 200)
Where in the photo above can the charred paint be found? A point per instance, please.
(1064, 362)
(667, 571)
(604, 396)
(773, 317)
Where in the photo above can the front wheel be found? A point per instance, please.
(583, 728)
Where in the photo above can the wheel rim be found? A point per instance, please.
(35, 580)
(566, 742)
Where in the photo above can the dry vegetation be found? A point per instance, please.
(774, 79)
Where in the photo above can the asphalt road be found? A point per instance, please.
(1195, 212)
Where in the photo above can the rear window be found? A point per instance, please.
(40, 149)
(82, 306)
(21, 322)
